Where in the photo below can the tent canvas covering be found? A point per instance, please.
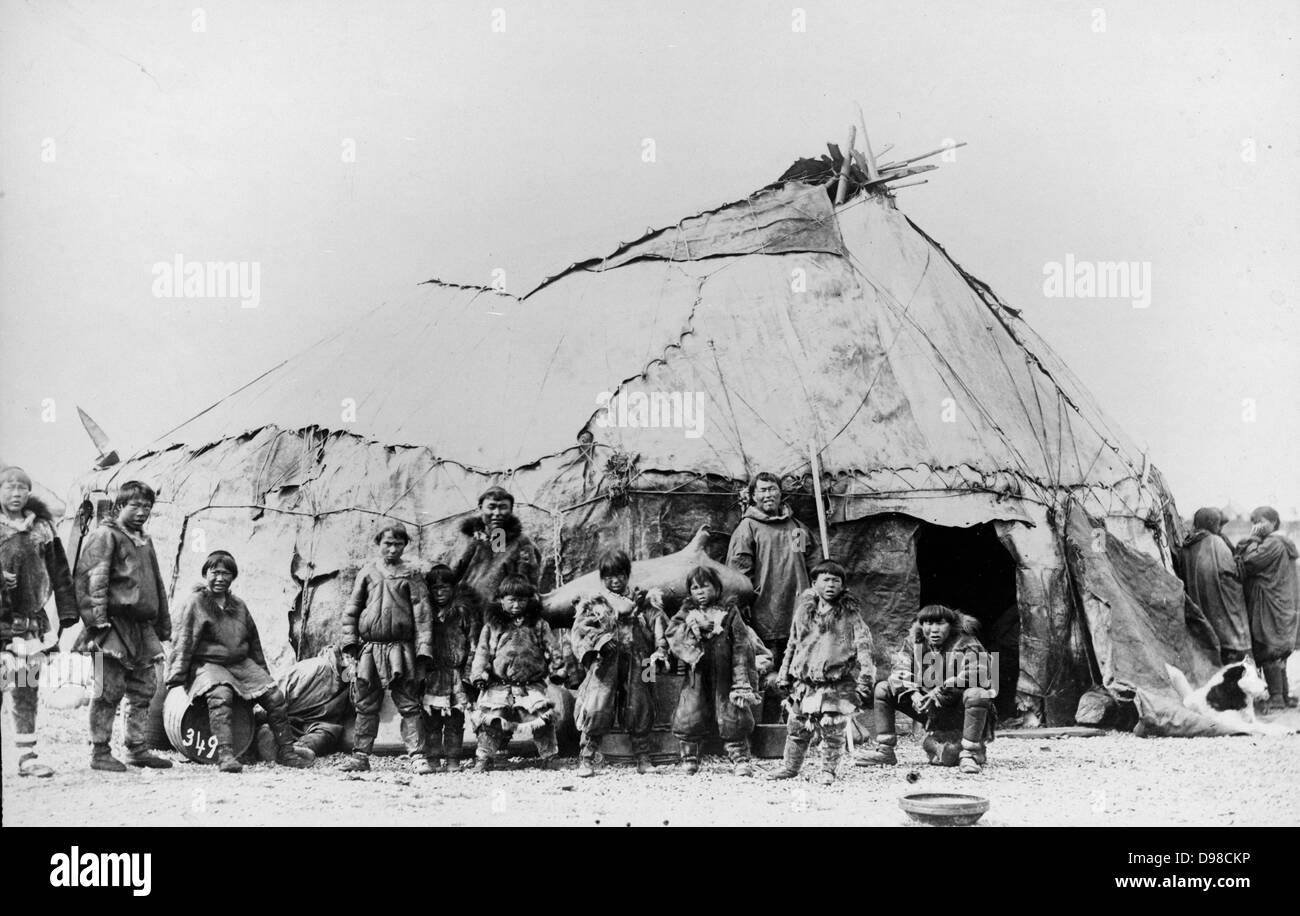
(787, 319)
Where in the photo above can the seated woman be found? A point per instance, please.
(940, 676)
(217, 655)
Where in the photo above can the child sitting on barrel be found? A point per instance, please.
(388, 627)
(217, 655)
(941, 677)
(514, 659)
(827, 671)
(456, 621)
(617, 633)
(710, 638)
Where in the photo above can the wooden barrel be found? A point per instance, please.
(189, 732)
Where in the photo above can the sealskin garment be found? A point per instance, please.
(316, 696)
(775, 552)
(614, 638)
(481, 568)
(214, 646)
(962, 657)
(515, 656)
(716, 646)
(118, 583)
(32, 552)
(829, 656)
(454, 629)
(1269, 576)
(390, 618)
(1215, 585)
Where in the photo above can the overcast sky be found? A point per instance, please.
(1156, 132)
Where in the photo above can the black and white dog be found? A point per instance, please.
(1228, 698)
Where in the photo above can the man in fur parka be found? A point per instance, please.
(616, 633)
(828, 670)
(941, 677)
(495, 547)
(34, 568)
(515, 656)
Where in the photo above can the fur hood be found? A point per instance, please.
(966, 626)
(474, 524)
(464, 601)
(847, 603)
(498, 619)
(689, 604)
(758, 515)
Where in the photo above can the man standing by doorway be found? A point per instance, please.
(775, 550)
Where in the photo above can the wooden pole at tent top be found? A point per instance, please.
(872, 174)
(817, 495)
(842, 191)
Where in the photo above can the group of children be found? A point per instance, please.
(427, 639)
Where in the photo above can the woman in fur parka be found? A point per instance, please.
(516, 655)
(941, 676)
(34, 568)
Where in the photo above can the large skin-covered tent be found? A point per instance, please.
(962, 461)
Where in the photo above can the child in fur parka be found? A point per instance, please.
(34, 568)
(456, 619)
(827, 672)
(710, 638)
(388, 627)
(123, 603)
(516, 655)
(616, 634)
(940, 676)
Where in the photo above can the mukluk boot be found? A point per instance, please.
(738, 754)
(690, 764)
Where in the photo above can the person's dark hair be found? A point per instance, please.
(134, 489)
(615, 562)
(396, 529)
(762, 475)
(1266, 512)
(937, 612)
(223, 558)
(704, 575)
(829, 567)
(496, 493)
(1208, 519)
(515, 587)
(440, 574)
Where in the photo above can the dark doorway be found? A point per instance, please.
(968, 569)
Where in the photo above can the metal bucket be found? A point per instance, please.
(190, 733)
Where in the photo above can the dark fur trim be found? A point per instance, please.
(688, 604)
(498, 618)
(474, 524)
(37, 507)
(966, 625)
(847, 603)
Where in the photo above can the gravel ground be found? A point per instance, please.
(1116, 780)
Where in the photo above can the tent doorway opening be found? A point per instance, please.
(968, 569)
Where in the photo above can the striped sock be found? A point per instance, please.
(26, 745)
